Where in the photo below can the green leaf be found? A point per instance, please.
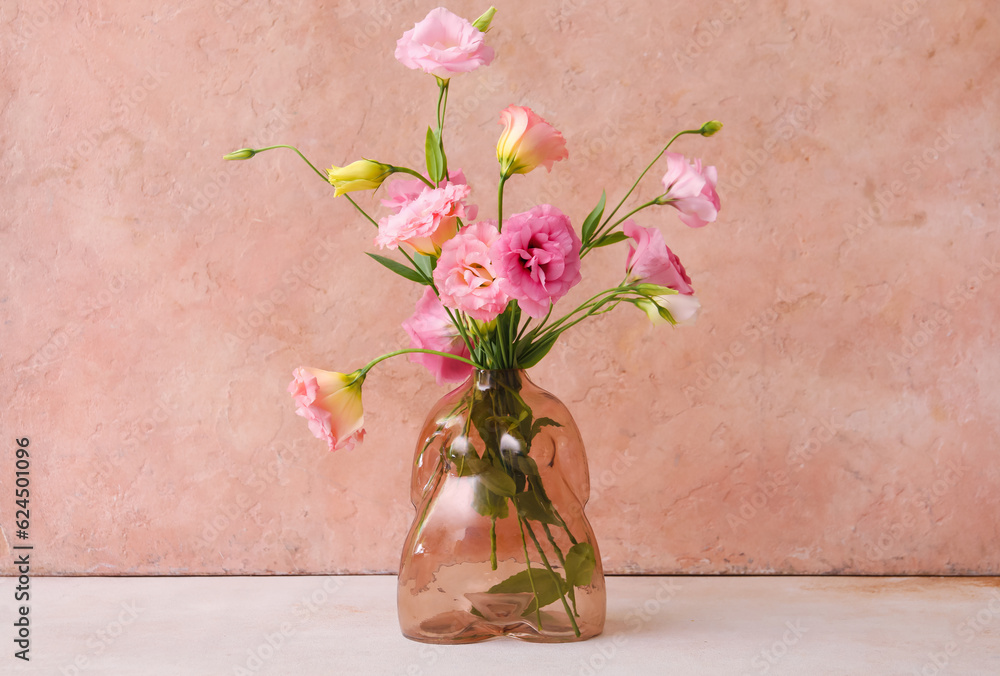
(547, 587)
(425, 264)
(530, 507)
(400, 269)
(435, 156)
(527, 466)
(590, 224)
(488, 503)
(580, 564)
(610, 238)
(543, 422)
(497, 481)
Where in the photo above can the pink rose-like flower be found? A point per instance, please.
(527, 141)
(331, 402)
(425, 222)
(443, 44)
(465, 274)
(537, 258)
(430, 328)
(651, 261)
(403, 192)
(691, 190)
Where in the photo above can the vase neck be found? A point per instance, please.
(489, 379)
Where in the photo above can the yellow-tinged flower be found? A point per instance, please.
(674, 308)
(527, 141)
(360, 175)
(331, 402)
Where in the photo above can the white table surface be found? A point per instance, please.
(656, 625)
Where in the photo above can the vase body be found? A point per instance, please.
(500, 545)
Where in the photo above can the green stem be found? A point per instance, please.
(320, 173)
(493, 542)
(503, 179)
(364, 371)
(363, 212)
(604, 229)
(650, 166)
(531, 579)
(412, 172)
(555, 576)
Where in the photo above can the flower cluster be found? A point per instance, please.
(491, 284)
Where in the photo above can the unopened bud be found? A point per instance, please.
(483, 22)
(710, 128)
(241, 154)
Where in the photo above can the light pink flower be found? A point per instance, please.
(331, 402)
(691, 190)
(430, 328)
(681, 309)
(465, 274)
(527, 141)
(427, 221)
(402, 192)
(537, 258)
(651, 261)
(443, 44)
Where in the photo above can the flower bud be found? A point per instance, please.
(483, 22)
(710, 128)
(360, 175)
(651, 290)
(241, 154)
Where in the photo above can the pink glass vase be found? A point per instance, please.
(500, 545)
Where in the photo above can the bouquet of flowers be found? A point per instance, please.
(491, 283)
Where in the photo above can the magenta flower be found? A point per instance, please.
(690, 190)
(425, 222)
(651, 261)
(465, 274)
(430, 328)
(443, 44)
(331, 402)
(537, 258)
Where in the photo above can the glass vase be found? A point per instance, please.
(500, 545)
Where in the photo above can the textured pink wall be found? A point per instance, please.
(835, 409)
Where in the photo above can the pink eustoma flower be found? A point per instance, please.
(527, 141)
(430, 328)
(425, 222)
(691, 190)
(402, 192)
(465, 274)
(443, 44)
(651, 261)
(537, 258)
(331, 402)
